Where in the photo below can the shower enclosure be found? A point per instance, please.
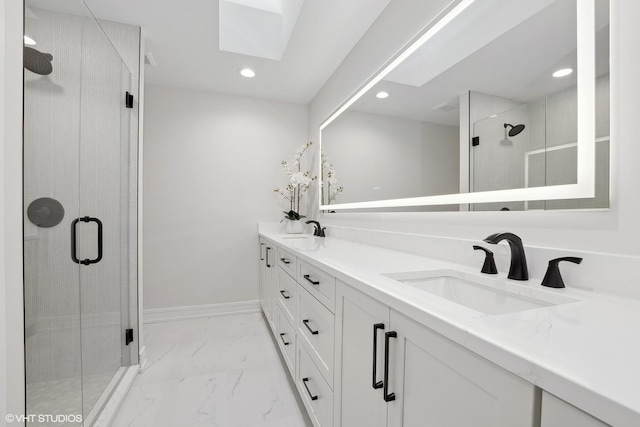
(80, 205)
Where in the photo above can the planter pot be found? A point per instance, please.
(294, 226)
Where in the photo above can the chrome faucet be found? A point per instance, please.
(518, 268)
(318, 230)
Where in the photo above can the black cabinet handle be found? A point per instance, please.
(267, 262)
(376, 384)
(388, 397)
(74, 224)
(261, 256)
(283, 295)
(311, 396)
(282, 338)
(285, 260)
(313, 282)
(306, 323)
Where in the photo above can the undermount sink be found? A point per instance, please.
(484, 294)
(298, 237)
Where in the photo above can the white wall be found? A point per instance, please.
(614, 231)
(440, 159)
(380, 157)
(376, 157)
(211, 164)
(11, 317)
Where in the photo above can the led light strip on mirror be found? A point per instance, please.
(586, 135)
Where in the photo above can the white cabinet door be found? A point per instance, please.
(270, 267)
(438, 383)
(558, 413)
(359, 321)
(262, 295)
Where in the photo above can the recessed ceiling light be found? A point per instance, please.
(29, 41)
(562, 72)
(247, 72)
(382, 95)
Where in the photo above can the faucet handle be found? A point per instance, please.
(553, 278)
(318, 229)
(489, 266)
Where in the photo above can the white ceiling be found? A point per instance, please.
(183, 38)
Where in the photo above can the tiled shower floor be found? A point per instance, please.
(217, 371)
(63, 397)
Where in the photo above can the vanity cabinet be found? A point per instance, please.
(438, 382)
(426, 378)
(316, 331)
(266, 281)
(357, 362)
(295, 298)
(361, 322)
(558, 413)
(287, 295)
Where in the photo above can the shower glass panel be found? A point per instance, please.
(80, 213)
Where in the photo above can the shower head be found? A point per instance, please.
(37, 62)
(515, 130)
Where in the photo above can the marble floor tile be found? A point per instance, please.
(217, 371)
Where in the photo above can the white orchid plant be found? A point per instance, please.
(332, 189)
(299, 183)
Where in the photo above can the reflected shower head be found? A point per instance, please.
(37, 62)
(515, 130)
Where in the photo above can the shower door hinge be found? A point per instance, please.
(128, 336)
(128, 100)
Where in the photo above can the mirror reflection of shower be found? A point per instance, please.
(515, 130)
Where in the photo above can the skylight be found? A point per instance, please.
(260, 28)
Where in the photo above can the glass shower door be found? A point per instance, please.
(80, 213)
(104, 183)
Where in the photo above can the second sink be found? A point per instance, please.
(486, 295)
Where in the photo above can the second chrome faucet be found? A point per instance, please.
(518, 268)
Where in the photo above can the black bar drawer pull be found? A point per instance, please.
(304, 381)
(375, 383)
(282, 338)
(284, 295)
(388, 397)
(285, 260)
(74, 224)
(267, 261)
(306, 323)
(261, 256)
(313, 282)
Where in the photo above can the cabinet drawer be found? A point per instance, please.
(286, 338)
(320, 284)
(287, 261)
(316, 393)
(316, 330)
(287, 294)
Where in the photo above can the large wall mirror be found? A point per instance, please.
(497, 105)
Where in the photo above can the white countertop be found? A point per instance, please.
(586, 353)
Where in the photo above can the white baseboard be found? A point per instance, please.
(155, 315)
